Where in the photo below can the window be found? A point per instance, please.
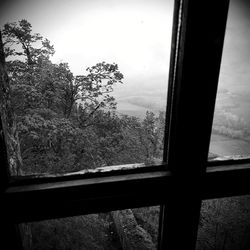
(230, 131)
(70, 119)
(182, 180)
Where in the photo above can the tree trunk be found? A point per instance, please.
(9, 118)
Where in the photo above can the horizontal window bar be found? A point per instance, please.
(116, 171)
(75, 197)
(226, 180)
(88, 174)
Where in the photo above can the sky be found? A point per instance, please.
(235, 66)
(135, 34)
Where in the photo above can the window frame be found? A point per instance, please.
(184, 178)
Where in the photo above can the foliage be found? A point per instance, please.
(229, 124)
(21, 35)
(225, 224)
(65, 123)
(83, 232)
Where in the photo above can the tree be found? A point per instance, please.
(21, 35)
(66, 122)
(92, 90)
(53, 107)
(8, 117)
(151, 135)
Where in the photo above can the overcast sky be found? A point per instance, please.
(136, 34)
(235, 67)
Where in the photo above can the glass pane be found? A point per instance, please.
(231, 125)
(95, 98)
(125, 229)
(225, 224)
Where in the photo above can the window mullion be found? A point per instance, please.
(193, 100)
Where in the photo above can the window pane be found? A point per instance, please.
(225, 224)
(95, 98)
(124, 229)
(231, 125)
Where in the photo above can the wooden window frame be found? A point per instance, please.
(184, 178)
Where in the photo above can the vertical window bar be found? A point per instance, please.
(192, 107)
(172, 70)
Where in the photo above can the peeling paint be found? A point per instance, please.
(230, 157)
(87, 171)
